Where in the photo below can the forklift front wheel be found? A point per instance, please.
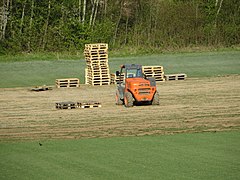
(128, 99)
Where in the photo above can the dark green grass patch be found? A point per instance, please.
(33, 73)
(193, 64)
(181, 156)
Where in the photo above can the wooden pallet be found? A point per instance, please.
(102, 76)
(99, 82)
(66, 105)
(152, 68)
(107, 80)
(90, 104)
(153, 74)
(95, 51)
(96, 56)
(97, 46)
(98, 78)
(159, 78)
(106, 76)
(176, 77)
(99, 64)
(67, 83)
(90, 61)
(98, 72)
(98, 67)
(154, 71)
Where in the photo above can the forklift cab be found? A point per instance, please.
(130, 71)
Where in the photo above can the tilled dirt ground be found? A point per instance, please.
(194, 105)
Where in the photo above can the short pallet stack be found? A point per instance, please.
(97, 71)
(175, 77)
(154, 71)
(67, 83)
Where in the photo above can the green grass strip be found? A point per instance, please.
(181, 156)
(37, 73)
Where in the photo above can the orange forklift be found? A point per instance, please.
(134, 88)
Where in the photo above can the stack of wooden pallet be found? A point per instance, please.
(154, 71)
(97, 71)
(67, 83)
(175, 77)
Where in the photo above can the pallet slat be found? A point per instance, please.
(99, 83)
(96, 56)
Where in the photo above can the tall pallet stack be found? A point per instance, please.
(154, 71)
(97, 71)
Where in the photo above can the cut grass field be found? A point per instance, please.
(194, 105)
(180, 156)
(205, 104)
(36, 73)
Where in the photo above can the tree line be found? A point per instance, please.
(66, 25)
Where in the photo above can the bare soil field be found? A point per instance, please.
(194, 105)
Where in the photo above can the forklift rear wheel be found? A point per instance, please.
(117, 98)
